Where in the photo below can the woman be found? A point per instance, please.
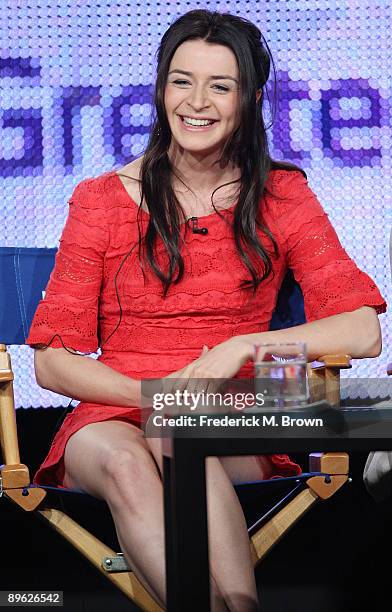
(184, 269)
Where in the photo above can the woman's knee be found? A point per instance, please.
(132, 465)
(129, 474)
(109, 461)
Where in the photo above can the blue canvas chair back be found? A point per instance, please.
(24, 274)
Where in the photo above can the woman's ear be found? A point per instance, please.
(258, 95)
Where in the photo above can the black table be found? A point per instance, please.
(358, 428)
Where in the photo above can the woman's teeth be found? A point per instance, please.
(197, 122)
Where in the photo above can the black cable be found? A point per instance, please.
(45, 346)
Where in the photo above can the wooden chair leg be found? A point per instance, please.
(318, 488)
(15, 480)
(87, 544)
(269, 534)
(95, 551)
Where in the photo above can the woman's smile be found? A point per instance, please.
(191, 125)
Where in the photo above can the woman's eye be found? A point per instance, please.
(221, 87)
(180, 82)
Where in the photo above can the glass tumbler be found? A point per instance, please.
(280, 373)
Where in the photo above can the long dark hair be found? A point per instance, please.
(247, 147)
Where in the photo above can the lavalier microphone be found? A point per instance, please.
(195, 226)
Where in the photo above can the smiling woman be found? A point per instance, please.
(207, 102)
(163, 298)
(203, 114)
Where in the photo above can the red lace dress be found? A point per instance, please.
(158, 336)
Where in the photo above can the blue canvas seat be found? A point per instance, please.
(23, 277)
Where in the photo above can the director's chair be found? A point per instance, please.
(23, 277)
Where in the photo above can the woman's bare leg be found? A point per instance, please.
(229, 549)
(230, 557)
(111, 460)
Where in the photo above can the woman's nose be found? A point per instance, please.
(198, 98)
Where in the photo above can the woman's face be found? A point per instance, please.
(202, 84)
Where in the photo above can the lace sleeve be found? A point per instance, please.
(330, 280)
(68, 315)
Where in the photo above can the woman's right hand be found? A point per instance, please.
(167, 382)
(148, 401)
(169, 379)
(176, 383)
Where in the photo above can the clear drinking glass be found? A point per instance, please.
(280, 373)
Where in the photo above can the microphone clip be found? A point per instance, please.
(195, 227)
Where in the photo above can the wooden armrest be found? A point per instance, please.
(342, 362)
(8, 433)
(324, 377)
(6, 373)
(329, 463)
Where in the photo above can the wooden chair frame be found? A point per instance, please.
(324, 382)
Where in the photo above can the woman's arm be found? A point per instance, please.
(355, 333)
(341, 301)
(84, 378)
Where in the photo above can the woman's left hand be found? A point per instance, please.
(221, 362)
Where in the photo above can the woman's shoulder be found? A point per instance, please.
(101, 191)
(89, 191)
(289, 202)
(285, 180)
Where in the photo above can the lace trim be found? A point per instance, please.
(95, 186)
(314, 237)
(188, 337)
(77, 326)
(85, 231)
(69, 269)
(280, 181)
(232, 301)
(343, 287)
